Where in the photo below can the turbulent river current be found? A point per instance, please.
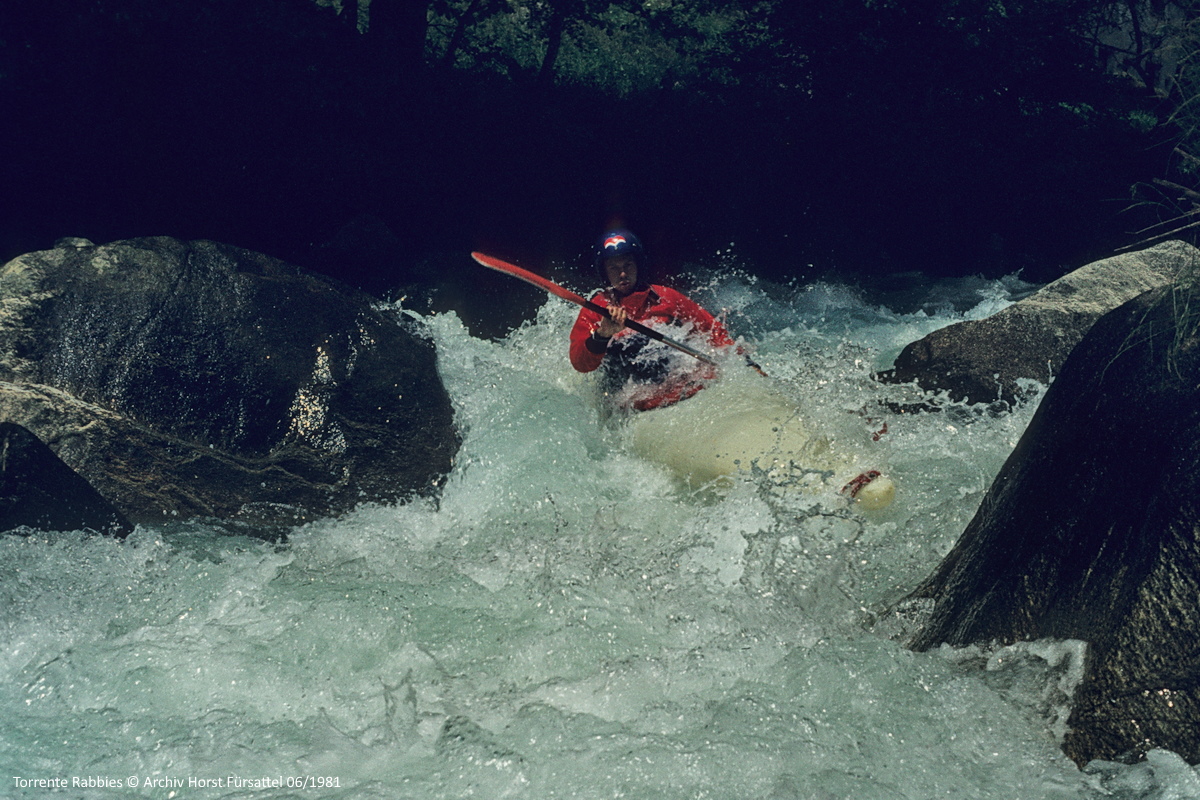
(567, 620)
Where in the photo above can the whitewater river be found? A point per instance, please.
(568, 620)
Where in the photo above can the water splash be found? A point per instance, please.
(568, 621)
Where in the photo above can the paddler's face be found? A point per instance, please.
(622, 273)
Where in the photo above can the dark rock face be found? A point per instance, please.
(1092, 531)
(981, 361)
(37, 490)
(194, 378)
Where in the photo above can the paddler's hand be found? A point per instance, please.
(610, 326)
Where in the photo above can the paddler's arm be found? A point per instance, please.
(591, 334)
(611, 325)
(705, 321)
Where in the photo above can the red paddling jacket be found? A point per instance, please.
(622, 358)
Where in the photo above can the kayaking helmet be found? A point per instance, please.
(619, 243)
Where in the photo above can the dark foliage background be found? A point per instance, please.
(867, 136)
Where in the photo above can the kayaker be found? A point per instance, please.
(636, 376)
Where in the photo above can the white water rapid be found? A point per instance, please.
(567, 621)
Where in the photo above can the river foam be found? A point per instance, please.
(567, 620)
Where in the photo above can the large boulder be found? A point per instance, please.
(199, 379)
(984, 361)
(39, 492)
(1091, 531)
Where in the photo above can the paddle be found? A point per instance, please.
(566, 294)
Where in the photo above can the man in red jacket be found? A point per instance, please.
(639, 374)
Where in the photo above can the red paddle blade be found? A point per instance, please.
(537, 280)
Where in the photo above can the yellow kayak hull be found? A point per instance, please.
(748, 427)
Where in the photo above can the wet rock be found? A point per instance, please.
(984, 361)
(199, 379)
(73, 241)
(1091, 531)
(38, 491)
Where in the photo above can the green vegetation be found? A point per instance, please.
(1175, 60)
(619, 48)
(1128, 70)
(870, 135)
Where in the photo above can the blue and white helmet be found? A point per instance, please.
(619, 243)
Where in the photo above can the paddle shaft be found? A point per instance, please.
(566, 294)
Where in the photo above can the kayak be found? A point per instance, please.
(748, 427)
(730, 427)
